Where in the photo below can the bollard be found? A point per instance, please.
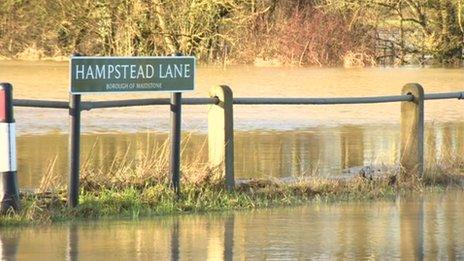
(9, 193)
(221, 133)
(74, 148)
(174, 163)
(412, 133)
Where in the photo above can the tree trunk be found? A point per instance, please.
(167, 34)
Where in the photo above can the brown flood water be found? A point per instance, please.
(50, 81)
(415, 227)
(270, 140)
(321, 151)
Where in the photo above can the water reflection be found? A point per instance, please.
(9, 243)
(175, 252)
(323, 151)
(73, 243)
(410, 227)
(229, 237)
(352, 150)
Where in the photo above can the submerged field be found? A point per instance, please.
(125, 175)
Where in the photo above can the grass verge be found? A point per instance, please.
(143, 201)
(144, 191)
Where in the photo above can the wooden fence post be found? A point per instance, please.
(221, 133)
(412, 133)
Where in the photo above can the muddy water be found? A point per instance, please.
(322, 151)
(270, 140)
(409, 227)
(50, 81)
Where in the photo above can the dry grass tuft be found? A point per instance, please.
(51, 180)
(150, 168)
(447, 171)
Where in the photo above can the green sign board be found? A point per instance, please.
(132, 74)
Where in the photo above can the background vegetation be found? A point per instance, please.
(302, 32)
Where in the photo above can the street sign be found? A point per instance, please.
(132, 74)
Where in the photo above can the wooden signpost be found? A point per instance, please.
(88, 75)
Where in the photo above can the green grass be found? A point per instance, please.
(153, 200)
(135, 201)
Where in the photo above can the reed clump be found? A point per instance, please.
(148, 168)
(448, 170)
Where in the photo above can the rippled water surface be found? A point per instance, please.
(273, 141)
(51, 80)
(321, 151)
(409, 227)
(270, 140)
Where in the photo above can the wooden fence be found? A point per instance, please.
(221, 123)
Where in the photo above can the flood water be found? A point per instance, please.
(272, 141)
(412, 227)
(51, 81)
(321, 151)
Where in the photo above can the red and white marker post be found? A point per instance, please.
(9, 193)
